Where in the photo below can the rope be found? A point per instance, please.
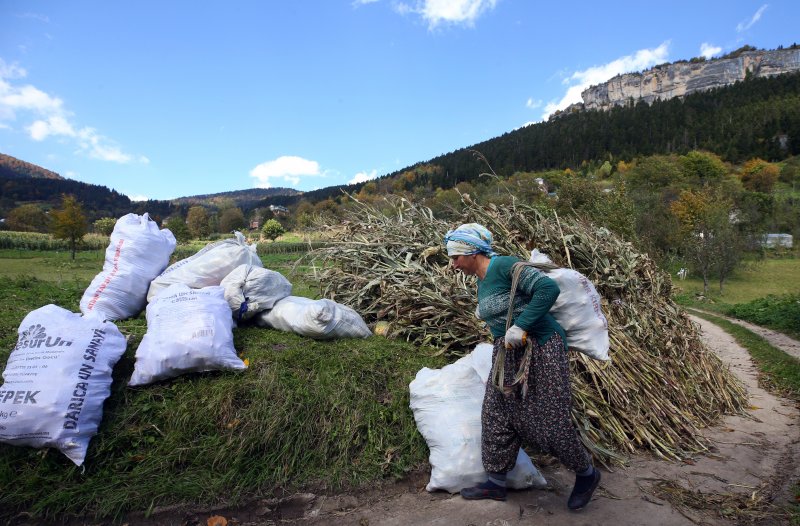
(499, 367)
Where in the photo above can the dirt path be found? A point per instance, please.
(788, 345)
(757, 455)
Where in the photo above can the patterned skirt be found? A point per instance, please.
(541, 420)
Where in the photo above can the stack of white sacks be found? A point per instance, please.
(59, 374)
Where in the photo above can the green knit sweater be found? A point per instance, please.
(536, 293)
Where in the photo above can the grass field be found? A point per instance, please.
(51, 266)
(754, 280)
(305, 414)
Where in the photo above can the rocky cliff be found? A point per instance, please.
(682, 78)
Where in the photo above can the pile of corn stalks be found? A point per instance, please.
(662, 384)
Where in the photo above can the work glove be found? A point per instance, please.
(515, 337)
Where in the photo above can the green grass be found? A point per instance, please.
(37, 241)
(754, 280)
(304, 415)
(781, 372)
(780, 313)
(48, 265)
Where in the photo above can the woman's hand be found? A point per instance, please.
(515, 337)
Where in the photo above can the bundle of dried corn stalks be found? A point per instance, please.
(662, 384)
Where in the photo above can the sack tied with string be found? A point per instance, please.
(250, 289)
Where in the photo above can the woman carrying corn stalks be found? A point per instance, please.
(528, 397)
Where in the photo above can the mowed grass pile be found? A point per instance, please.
(662, 384)
(304, 415)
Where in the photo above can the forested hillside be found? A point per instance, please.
(247, 199)
(12, 167)
(98, 201)
(754, 118)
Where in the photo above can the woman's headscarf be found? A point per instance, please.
(468, 239)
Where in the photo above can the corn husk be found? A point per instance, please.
(660, 388)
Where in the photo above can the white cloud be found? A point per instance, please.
(580, 80)
(288, 168)
(49, 118)
(708, 51)
(361, 177)
(54, 125)
(28, 98)
(436, 12)
(11, 71)
(138, 198)
(533, 104)
(744, 26)
(358, 3)
(35, 16)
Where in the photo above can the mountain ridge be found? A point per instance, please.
(682, 78)
(17, 168)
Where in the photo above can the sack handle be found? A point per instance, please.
(499, 366)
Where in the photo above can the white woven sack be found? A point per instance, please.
(578, 310)
(319, 319)
(137, 253)
(188, 330)
(56, 380)
(447, 404)
(209, 266)
(250, 290)
(480, 359)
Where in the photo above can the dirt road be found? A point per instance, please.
(757, 459)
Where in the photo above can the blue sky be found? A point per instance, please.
(168, 99)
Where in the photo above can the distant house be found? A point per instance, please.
(278, 209)
(777, 241)
(254, 224)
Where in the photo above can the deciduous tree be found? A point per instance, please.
(703, 168)
(231, 219)
(69, 222)
(272, 229)
(759, 176)
(710, 241)
(28, 218)
(104, 225)
(178, 227)
(198, 222)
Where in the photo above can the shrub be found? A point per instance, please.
(781, 313)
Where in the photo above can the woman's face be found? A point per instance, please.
(466, 264)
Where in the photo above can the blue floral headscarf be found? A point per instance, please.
(470, 238)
